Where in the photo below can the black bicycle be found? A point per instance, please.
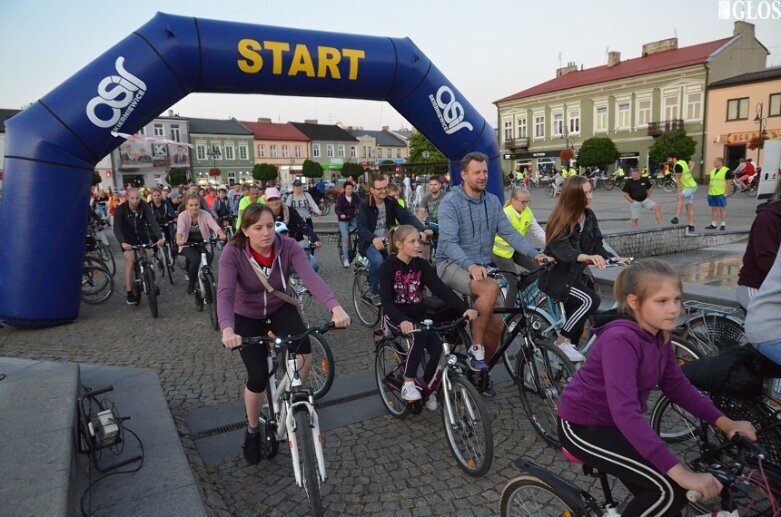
(144, 277)
(206, 288)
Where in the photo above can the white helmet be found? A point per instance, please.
(280, 227)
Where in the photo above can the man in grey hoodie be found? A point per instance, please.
(469, 220)
(764, 313)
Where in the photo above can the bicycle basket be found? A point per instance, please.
(722, 332)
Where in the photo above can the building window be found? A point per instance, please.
(737, 109)
(329, 149)
(508, 129)
(539, 127)
(340, 151)
(285, 151)
(558, 124)
(670, 105)
(574, 121)
(398, 152)
(272, 149)
(624, 119)
(159, 130)
(643, 117)
(774, 106)
(353, 151)
(216, 152)
(693, 105)
(298, 151)
(243, 152)
(379, 153)
(261, 151)
(142, 131)
(522, 128)
(175, 135)
(200, 152)
(315, 150)
(229, 153)
(600, 119)
(370, 151)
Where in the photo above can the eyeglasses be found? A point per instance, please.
(380, 188)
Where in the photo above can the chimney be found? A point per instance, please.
(571, 67)
(386, 128)
(744, 28)
(660, 46)
(264, 120)
(310, 121)
(170, 113)
(613, 58)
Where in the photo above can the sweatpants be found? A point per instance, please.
(579, 305)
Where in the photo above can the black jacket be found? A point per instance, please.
(296, 226)
(367, 220)
(565, 248)
(139, 227)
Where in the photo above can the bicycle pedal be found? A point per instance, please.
(415, 407)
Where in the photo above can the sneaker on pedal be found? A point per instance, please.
(431, 402)
(477, 358)
(346, 263)
(571, 352)
(674, 220)
(490, 391)
(190, 289)
(410, 392)
(251, 447)
(131, 298)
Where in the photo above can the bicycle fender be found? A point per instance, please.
(569, 492)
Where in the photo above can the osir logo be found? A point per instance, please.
(449, 111)
(117, 92)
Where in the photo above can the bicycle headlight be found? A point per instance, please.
(452, 360)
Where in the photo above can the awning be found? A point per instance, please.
(746, 136)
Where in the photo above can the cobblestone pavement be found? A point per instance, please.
(380, 466)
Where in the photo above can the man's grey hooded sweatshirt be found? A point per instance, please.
(468, 225)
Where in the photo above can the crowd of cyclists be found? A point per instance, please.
(473, 231)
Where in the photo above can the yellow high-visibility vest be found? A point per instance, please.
(687, 180)
(718, 182)
(520, 222)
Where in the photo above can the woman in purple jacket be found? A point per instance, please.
(245, 308)
(601, 410)
(346, 209)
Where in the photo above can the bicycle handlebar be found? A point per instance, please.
(143, 246)
(279, 342)
(212, 240)
(428, 325)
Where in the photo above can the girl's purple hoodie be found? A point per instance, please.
(239, 290)
(613, 385)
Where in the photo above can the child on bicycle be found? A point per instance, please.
(403, 278)
(602, 410)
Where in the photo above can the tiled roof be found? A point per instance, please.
(384, 138)
(659, 62)
(767, 74)
(5, 114)
(272, 131)
(324, 132)
(217, 127)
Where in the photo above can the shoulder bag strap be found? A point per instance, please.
(269, 289)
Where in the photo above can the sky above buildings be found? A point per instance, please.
(488, 49)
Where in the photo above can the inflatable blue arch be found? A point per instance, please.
(52, 147)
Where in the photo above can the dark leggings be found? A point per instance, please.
(606, 449)
(285, 322)
(581, 303)
(430, 342)
(194, 264)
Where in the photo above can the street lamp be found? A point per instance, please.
(215, 153)
(762, 121)
(425, 155)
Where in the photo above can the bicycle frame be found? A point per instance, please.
(203, 268)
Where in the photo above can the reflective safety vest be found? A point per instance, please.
(520, 222)
(687, 180)
(619, 172)
(718, 182)
(645, 173)
(572, 172)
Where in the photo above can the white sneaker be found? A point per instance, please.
(410, 392)
(571, 352)
(431, 403)
(346, 263)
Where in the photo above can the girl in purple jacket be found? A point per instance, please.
(601, 410)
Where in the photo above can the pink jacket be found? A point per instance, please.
(205, 223)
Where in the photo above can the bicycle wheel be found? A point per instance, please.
(307, 460)
(168, 262)
(268, 439)
(96, 285)
(389, 373)
(209, 298)
(325, 209)
(545, 367)
(750, 191)
(685, 352)
(715, 332)
(367, 312)
(320, 377)
(104, 254)
(540, 325)
(532, 497)
(151, 289)
(469, 433)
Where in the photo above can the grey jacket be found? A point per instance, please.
(764, 310)
(468, 226)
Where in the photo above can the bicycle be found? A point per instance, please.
(97, 245)
(543, 493)
(749, 190)
(290, 415)
(464, 415)
(367, 312)
(712, 328)
(97, 284)
(667, 182)
(144, 277)
(164, 258)
(206, 288)
(352, 246)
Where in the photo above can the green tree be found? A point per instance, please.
(352, 170)
(312, 169)
(598, 151)
(177, 176)
(418, 143)
(264, 171)
(676, 142)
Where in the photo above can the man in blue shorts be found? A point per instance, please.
(720, 187)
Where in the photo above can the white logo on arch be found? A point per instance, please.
(449, 111)
(120, 92)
